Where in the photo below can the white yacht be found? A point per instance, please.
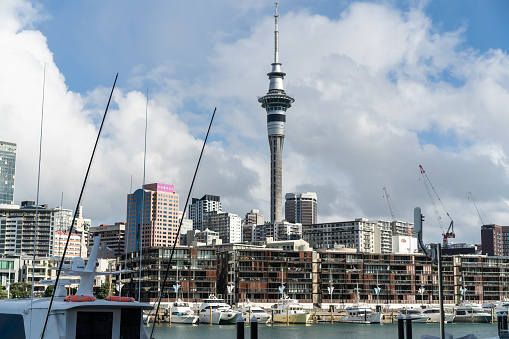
(361, 315)
(415, 315)
(249, 310)
(216, 311)
(289, 311)
(77, 315)
(181, 313)
(433, 314)
(471, 313)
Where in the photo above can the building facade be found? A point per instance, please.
(228, 225)
(197, 271)
(73, 248)
(7, 172)
(254, 217)
(152, 217)
(276, 102)
(17, 229)
(112, 236)
(198, 208)
(495, 240)
(301, 208)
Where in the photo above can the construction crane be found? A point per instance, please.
(391, 205)
(476, 208)
(450, 231)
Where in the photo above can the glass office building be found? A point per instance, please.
(7, 171)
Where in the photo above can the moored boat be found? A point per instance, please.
(415, 315)
(181, 313)
(288, 310)
(433, 314)
(216, 311)
(361, 315)
(471, 313)
(249, 310)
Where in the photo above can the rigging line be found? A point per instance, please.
(37, 197)
(182, 219)
(77, 209)
(143, 199)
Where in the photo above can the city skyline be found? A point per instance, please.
(382, 88)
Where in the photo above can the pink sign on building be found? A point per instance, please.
(165, 188)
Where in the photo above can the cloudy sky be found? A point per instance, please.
(381, 87)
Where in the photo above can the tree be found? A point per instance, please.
(49, 291)
(103, 291)
(20, 290)
(3, 293)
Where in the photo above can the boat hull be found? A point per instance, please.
(219, 318)
(301, 318)
(261, 319)
(184, 319)
(374, 318)
(472, 319)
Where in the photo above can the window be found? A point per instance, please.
(130, 323)
(94, 325)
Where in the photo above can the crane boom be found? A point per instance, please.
(476, 208)
(391, 206)
(429, 188)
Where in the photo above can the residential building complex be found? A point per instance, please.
(198, 208)
(7, 172)
(301, 208)
(361, 234)
(276, 102)
(152, 217)
(196, 273)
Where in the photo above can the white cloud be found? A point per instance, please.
(367, 86)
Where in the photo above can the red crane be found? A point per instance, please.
(429, 188)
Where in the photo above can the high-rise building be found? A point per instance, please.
(228, 225)
(301, 208)
(198, 208)
(152, 217)
(112, 236)
(7, 172)
(494, 240)
(254, 218)
(276, 102)
(17, 229)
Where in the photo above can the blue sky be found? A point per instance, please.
(380, 87)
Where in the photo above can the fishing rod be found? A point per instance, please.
(180, 224)
(77, 209)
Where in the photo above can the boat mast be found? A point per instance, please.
(77, 210)
(37, 199)
(143, 200)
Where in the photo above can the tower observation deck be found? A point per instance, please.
(276, 102)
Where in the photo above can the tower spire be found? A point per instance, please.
(276, 37)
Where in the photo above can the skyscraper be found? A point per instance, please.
(276, 102)
(301, 208)
(7, 171)
(198, 208)
(157, 209)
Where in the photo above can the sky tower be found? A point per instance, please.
(276, 102)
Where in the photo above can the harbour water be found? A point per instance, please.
(321, 330)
